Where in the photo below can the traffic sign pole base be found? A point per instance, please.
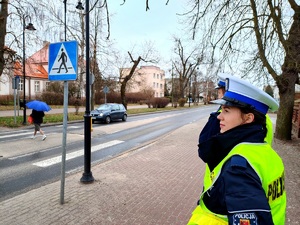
(87, 178)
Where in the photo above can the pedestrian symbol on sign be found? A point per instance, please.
(63, 57)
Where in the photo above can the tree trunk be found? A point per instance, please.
(3, 19)
(127, 78)
(123, 96)
(286, 83)
(181, 87)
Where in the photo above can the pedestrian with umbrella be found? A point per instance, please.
(38, 109)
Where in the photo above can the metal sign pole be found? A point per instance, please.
(15, 105)
(18, 101)
(65, 125)
(64, 143)
(15, 83)
(105, 90)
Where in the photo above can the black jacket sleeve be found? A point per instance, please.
(211, 128)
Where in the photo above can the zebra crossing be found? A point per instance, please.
(78, 153)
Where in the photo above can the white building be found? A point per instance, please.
(146, 77)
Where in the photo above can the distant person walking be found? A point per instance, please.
(63, 57)
(37, 121)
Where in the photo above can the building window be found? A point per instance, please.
(157, 76)
(153, 84)
(21, 85)
(161, 86)
(47, 85)
(154, 75)
(36, 86)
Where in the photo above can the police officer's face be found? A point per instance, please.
(221, 92)
(231, 117)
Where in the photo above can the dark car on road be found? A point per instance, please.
(109, 112)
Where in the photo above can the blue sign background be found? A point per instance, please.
(71, 47)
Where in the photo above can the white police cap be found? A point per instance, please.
(222, 78)
(241, 93)
(221, 84)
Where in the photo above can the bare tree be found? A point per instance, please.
(147, 57)
(186, 66)
(3, 19)
(204, 82)
(265, 34)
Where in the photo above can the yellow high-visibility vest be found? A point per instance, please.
(269, 135)
(261, 157)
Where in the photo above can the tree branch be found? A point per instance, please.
(261, 49)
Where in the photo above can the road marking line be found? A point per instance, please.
(14, 135)
(69, 127)
(57, 159)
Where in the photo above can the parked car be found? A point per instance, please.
(109, 112)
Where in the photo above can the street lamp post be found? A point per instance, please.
(190, 91)
(28, 27)
(206, 91)
(172, 86)
(87, 176)
(65, 4)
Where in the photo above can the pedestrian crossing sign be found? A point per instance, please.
(63, 61)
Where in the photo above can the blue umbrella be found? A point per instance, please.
(38, 106)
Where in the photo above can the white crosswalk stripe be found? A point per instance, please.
(15, 134)
(72, 155)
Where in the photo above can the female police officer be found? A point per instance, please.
(246, 182)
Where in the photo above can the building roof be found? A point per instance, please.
(8, 50)
(41, 56)
(18, 69)
(36, 66)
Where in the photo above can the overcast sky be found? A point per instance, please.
(132, 25)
